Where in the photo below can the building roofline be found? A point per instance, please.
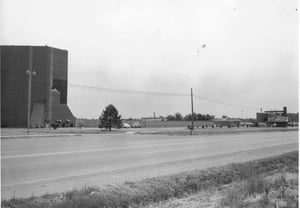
(35, 46)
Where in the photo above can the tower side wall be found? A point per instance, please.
(14, 83)
(51, 67)
(60, 73)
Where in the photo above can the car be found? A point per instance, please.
(125, 125)
(292, 124)
(136, 125)
(190, 127)
(274, 125)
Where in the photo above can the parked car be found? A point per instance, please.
(190, 127)
(136, 125)
(274, 125)
(125, 125)
(292, 124)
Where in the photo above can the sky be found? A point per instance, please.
(238, 56)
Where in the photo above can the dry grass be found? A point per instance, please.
(249, 193)
(140, 193)
(276, 190)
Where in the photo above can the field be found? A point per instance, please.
(266, 182)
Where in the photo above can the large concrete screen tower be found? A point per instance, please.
(49, 86)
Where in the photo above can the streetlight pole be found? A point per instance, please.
(30, 73)
(192, 128)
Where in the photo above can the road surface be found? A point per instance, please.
(36, 166)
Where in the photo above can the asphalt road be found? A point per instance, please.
(35, 166)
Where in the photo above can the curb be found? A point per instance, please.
(36, 136)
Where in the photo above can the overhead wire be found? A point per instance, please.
(218, 101)
(114, 90)
(122, 91)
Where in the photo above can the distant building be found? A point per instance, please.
(49, 86)
(229, 122)
(89, 123)
(293, 117)
(273, 118)
(151, 119)
(132, 122)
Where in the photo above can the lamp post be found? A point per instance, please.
(192, 105)
(30, 73)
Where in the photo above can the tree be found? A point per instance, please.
(162, 118)
(210, 117)
(178, 117)
(199, 117)
(188, 117)
(171, 118)
(110, 118)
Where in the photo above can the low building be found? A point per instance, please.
(229, 122)
(274, 118)
(152, 119)
(88, 123)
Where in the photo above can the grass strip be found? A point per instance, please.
(140, 193)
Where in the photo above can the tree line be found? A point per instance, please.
(110, 117)
(188, 117)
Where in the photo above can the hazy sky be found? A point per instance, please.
(250, 57)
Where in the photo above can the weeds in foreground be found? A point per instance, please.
(277, 190)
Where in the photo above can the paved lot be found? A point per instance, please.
(55, 164)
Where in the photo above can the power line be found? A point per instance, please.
(218, 101)
(122, 91)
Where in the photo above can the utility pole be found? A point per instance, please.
(192, 128)
(30, 73)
